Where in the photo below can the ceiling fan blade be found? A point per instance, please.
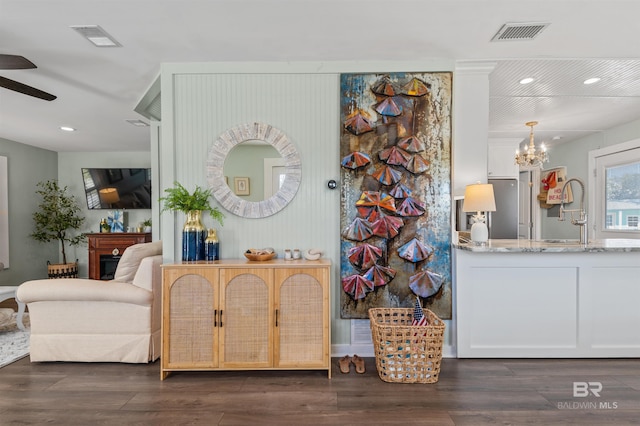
(15, 62)
(27, 90)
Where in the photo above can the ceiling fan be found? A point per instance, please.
(15, 62)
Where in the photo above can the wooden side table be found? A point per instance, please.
(106, 249)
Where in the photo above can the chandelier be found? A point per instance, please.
(531, 156)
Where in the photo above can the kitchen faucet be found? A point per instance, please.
(582, 221)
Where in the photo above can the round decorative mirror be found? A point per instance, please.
(232, 192)
(255, 162)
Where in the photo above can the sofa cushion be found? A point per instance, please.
(131, 258)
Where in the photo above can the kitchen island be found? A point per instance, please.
(548, 299)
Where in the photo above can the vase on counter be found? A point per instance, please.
(193, 236)
(212, 246)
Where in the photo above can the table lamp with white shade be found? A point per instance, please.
(479, 198)
(109, 196)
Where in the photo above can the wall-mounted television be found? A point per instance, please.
(117, 188)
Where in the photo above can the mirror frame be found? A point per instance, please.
(215, 170)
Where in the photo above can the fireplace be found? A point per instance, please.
(108, 265)
(105, 250)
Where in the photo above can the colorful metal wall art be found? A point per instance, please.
(395, 150)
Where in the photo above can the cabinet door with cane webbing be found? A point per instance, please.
(246, 332)
(189, 319)
(302, 323)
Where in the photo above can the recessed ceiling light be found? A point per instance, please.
(67, 129)
(96, 35)
(592, 80)
(527, 80)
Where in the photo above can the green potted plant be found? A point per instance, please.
(58, 216)
(146, 225)
(192, 204)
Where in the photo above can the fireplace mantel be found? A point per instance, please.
(111, 245)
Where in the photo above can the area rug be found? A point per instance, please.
(14, 343)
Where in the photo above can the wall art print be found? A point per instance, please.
(395, 150)
(115, 220)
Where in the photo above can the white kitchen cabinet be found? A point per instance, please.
(548, 305)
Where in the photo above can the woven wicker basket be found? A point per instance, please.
(62, 270)
(406, 353)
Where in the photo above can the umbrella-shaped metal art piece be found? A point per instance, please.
(388, 107)
(372, 203)
(417, 164)
(364, 256)
(394, 155)
(415, 251)
(359, 230)
(387, 226)
(425, 283)
(400, 191)
(355, 160)
(387, 175)
(357, 286)
(415, 87)
(380, 275)
(383, 87)
(358, 124)
(410, 207)
(411, 144)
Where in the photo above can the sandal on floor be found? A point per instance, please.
(359, 363)
(344, 364)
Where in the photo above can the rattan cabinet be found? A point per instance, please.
(235, 314)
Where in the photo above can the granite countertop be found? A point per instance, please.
(552, 246)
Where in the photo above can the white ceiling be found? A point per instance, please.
(98, 88)
(565, 108)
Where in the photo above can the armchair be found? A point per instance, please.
(85, 320)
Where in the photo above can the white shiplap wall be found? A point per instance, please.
(304, 106)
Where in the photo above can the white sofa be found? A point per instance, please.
(82, 320)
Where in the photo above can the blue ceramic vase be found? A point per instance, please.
(193, 236)
(211, 246)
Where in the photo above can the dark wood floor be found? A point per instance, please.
(469, 392)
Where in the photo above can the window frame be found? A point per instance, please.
(597, 183)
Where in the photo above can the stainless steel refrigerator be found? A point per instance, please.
(503, 223)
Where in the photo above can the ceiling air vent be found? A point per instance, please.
(513, 31)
